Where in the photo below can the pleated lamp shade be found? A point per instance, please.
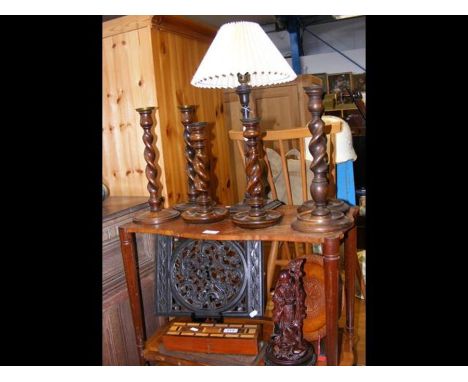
(242, 47)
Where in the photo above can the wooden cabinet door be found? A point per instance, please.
(128, 83)
(118, 335)
(278, 107)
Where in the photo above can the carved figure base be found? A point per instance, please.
(156, 217)
(308, 359)
(244, 220)
(332, 204)
(187, 205)
(198, 216)
(333, 222)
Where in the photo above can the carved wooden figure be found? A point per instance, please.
(320, 218)
(203, 212)
(157, 213)
(287, 346)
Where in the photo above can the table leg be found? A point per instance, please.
(130, 263)
(331, 259)
(350, 254)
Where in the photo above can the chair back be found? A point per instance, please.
(289, 175)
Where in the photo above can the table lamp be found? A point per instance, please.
(242, 56)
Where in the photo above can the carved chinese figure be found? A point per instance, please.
(287, 345)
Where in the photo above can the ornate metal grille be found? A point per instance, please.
(208, 277)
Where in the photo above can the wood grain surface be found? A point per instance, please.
(128, 83)
(226, 230)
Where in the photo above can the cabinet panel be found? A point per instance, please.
(278, 109)
(118, 337)
(128, 83)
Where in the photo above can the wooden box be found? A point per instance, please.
(212, 338)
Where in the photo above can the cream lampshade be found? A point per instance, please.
(242, 47)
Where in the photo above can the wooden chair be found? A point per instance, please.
(283, 141)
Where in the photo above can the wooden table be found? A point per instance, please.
(228, 231)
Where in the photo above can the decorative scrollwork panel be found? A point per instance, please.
(209, 277)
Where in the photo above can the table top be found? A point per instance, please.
(115, 206)
(227, 230)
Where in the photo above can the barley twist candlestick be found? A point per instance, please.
(157, 213)
(316, 109)
(320, 218)
(204, 212)
(187, 112)
(256, 216)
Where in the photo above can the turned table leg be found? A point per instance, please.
(350, 253)
(130, 262)
(331, 259)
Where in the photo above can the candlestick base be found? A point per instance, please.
(332, 205)
(332, 222)
(199, 216)
(244, 220)
(181, 207)
(187, 205)
(156, 217)
(243, 206)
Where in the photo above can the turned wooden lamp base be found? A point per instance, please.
(188, 205)
(309, 359)
(245, 220)
(242, 207)
(332, 204)
(156, 217)
(181, 207)
(197, 216)
(332, 222)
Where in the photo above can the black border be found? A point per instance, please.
(415, 288)
(51, 258)
(51, 161)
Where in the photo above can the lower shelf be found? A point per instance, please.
(155, 352)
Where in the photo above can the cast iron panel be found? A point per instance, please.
(208, 277)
